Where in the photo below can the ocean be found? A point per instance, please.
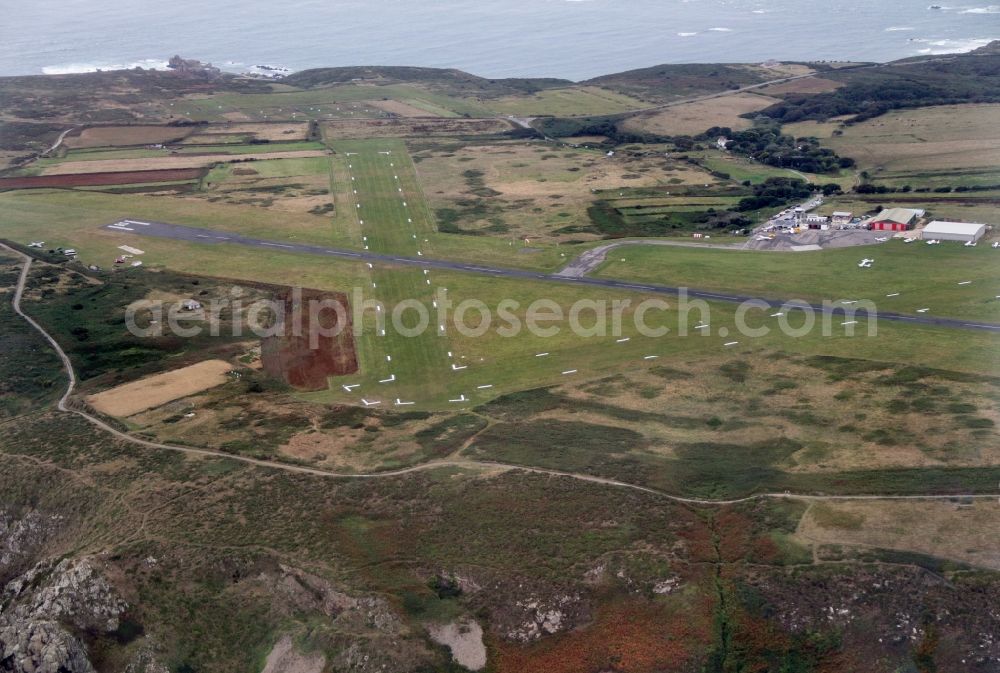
(573, 39)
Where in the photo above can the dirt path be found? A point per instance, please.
(63, 405)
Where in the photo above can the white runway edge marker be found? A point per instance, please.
(702, 326)
(966, 282)
(894, 294)
(370, 403)
(401, 403)
(488, 385)
(351, 387)
(621, 341)
(777, 315)
(456, 368)
(392, 377)
(569, 371)
(540, 355)
(730, 343)
(651, 357)
(850, 322)
(462, 398)
(923, 310)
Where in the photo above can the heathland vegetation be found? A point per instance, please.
(507, 524)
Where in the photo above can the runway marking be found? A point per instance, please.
(351, 387)
(569, 371)
(730, 343)
(651, 357)
(489, 385)
(540, 355)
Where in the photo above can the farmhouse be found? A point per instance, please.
(964, 232)
(895, 219)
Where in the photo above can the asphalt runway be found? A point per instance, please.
(196, 235)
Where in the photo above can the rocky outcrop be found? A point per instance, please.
(41, 610)
(21, 537)
(370, 635)
(190, 66)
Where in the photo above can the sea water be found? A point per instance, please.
(573, 39)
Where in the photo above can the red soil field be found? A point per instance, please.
(98, 179)
(304, 359)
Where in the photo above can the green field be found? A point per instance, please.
(566, 102)
(924, 276)
(942, 146)
(342, 101)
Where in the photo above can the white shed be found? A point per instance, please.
(963, 232)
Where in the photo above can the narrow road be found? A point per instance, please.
(58, 142)
(212, 237)
(63, 405)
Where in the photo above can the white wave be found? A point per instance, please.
(989, 9)
(73, 68)
(720, 30)
(951, 46)
(686, 34)
(896, 29)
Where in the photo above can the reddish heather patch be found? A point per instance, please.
(100, 179)
(626, 637)
(321, 347)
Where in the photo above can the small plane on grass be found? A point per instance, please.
(866, 263)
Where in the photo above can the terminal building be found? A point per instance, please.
(963, 232)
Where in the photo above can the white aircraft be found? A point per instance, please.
(909, 240)
(970, 244)
(866, 263)
(933, 242)
(38, 244)
(996, 244)
(881, 239)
